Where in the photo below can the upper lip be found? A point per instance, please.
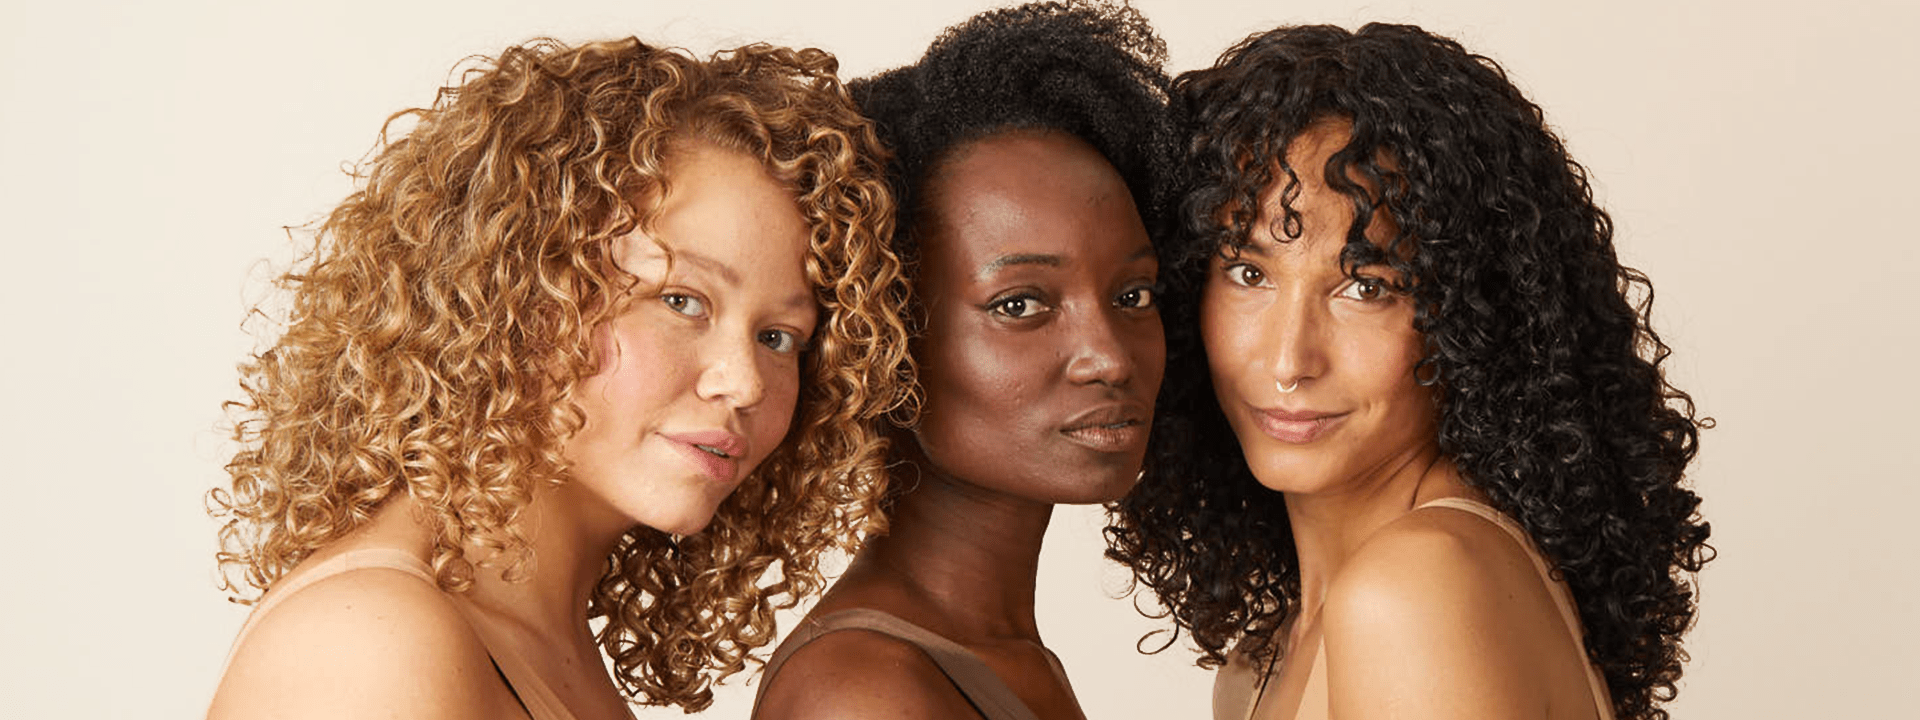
(1105, 415)
(725, 441)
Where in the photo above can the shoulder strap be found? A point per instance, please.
(536, 697)
(977, 682)
(1602, 700)
(1315, 698)
(383, 558)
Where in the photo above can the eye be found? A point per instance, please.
(780, 341)
(1138, 298)
(684, 304)
(1245, 275)
(1365, 289)
(1019, 306)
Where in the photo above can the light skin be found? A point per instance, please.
(1040, 361)
(701, 358)
(1423, 614)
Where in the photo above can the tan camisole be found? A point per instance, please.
(985, 690)
(1239, 685)
(539, 700)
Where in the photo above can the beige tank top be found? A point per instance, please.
(535, 696)
(982, 688)
(1237, 677)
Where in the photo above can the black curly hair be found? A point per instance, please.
(1091, 70)
(1551, 396)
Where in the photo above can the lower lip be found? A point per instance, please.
(1297, 432)
(716, 467)
(1109, 439)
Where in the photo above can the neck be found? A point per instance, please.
(969, 556)
(1329, 526)
(570, 538)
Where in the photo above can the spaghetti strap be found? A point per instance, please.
(521, 679)
(1562, 599)
(982, 688)
(381, 558)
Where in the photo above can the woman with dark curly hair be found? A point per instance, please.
(1028, 144)
(600, 342)
(1428, 464)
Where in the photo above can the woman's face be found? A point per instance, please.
(697, 381)
(1314, 370)
(1043, 348)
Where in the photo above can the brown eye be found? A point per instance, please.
(684, 304)
(1365, 289)
(1245, 275)
(1138, 298)
(1017, 306)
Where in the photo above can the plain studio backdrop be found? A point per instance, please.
(1757, 157)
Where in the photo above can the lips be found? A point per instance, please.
(716, 453)
(1297, 427)
(1108, 428)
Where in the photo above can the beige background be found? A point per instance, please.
(1758, 158)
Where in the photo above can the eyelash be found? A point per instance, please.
(792, 340)
(999, 306)
(1239, 278)
(1379, 289)
(678, 302)
(1152, 293)
(1363, 284)
(785, 342)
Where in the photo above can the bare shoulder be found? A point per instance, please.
(1422, 618)
(855, 674)
(1427, 562)
(366, 642)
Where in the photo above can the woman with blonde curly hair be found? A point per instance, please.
(590, 363)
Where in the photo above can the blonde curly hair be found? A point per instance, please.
(442, 319)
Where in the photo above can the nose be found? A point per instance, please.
(732, 374)
(1100, 352)
(1296, 347)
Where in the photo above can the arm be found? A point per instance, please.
(860, 675)
(369, 643)
(1417, 625)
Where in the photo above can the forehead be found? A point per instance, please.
(1027, 192)
(1302, 213)
(1307, 155)
(723, 216)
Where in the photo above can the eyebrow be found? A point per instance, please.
(1005, 261)
(1253, 247)
(708, 264)
(796, 301)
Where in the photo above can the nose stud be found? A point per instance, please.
(1286, 388)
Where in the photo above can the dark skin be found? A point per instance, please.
(1041, 359)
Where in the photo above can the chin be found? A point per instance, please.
(1287, 477)
(1098, 490)
(689, 521)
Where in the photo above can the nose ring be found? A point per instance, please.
(1286, 388)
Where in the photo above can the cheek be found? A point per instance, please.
(1150, 353)
(1224, 332)
(771, 420)
(1382, 359)
(979, 388)
(973, 376)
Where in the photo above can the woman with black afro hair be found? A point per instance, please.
(1428, 464)
(1032, 150)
